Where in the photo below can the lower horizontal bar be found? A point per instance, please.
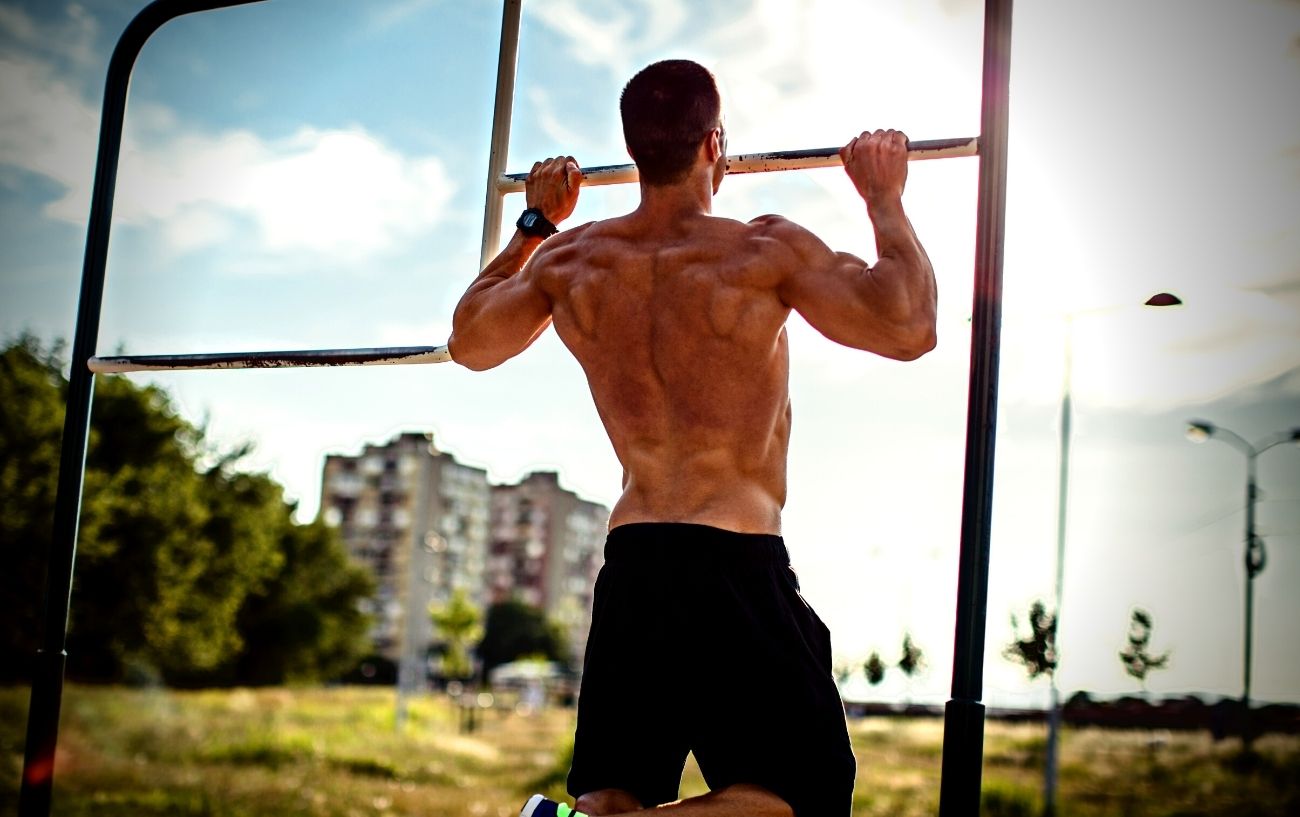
(382, 356)
(763, 162)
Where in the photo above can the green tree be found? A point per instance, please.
(305, 623)
(169, 553)
(459, 623)
(31, 426)
(513, 630)
(1137, 657)
(912, 660)
(874, 668)
(1037, 651)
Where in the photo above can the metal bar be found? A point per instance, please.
(761, 163)
(378, 356)
(1051, 761)
(963, 734)
(1252, 568)
(51, 657)
(507, 60)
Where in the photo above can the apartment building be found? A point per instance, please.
(545, 547)
(418, 519)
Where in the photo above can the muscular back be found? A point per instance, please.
(680, 331)
(678, 319)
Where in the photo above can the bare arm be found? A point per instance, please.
(888, 309)
(505, 310)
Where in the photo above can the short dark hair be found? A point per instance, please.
(668, 108)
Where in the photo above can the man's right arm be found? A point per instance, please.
(888, 309)
(505, 309)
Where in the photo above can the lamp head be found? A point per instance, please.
(1164, 299)
(1295, 435)
(1198, 431)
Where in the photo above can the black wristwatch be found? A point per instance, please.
(533, 223)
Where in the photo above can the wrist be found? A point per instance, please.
(884, 206)
(534, 223)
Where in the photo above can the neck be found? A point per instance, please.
(690, 197)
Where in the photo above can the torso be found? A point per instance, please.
(682, 337)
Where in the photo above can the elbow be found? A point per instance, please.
(919, 350)
(466, 356)
(921, 340)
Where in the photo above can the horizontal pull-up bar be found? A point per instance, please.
(763, 162)
(380, 356)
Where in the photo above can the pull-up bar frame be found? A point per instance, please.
(963, 715)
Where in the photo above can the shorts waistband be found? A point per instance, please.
(650, 542)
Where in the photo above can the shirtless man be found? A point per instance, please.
(700, 640)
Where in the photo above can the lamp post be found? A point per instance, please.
(1062, 506)
(1198, 431)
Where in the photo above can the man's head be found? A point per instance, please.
(669, 109)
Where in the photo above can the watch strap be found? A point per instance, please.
(533, 223)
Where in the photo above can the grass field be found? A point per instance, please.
(335, 753)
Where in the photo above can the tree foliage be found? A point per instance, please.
(1037, 651)
(31, 423)
(305, 623)
(459, 624)
(912, 659)
(874, 667)
(188, 570)
(1137, 657)
(514, 630)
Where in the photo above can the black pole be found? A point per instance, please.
(963, 728)
(51, 657)
(1254, 563)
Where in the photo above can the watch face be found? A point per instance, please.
(535, 224)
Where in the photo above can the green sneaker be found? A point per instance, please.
(539, 806)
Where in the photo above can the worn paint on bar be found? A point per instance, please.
(381, 356)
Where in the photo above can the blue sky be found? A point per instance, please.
(310, 174)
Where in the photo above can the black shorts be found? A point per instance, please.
(700, 642)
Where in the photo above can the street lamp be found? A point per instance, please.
(1062, 505)
(1198, 431)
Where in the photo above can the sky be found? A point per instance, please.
(303, 174)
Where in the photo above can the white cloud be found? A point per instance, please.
(787, 64)
(46, 127)
(70, 38)
(340, 192)
(604, 37)
(337, 192)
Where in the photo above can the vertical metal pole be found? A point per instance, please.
(1050, 762)
(500, 148)
(963, 736)
(1253, 566)
(51, 658)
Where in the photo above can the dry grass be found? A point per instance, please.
(335, 753)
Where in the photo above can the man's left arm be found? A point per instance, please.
(505, 309)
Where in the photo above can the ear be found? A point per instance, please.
(713, 146)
